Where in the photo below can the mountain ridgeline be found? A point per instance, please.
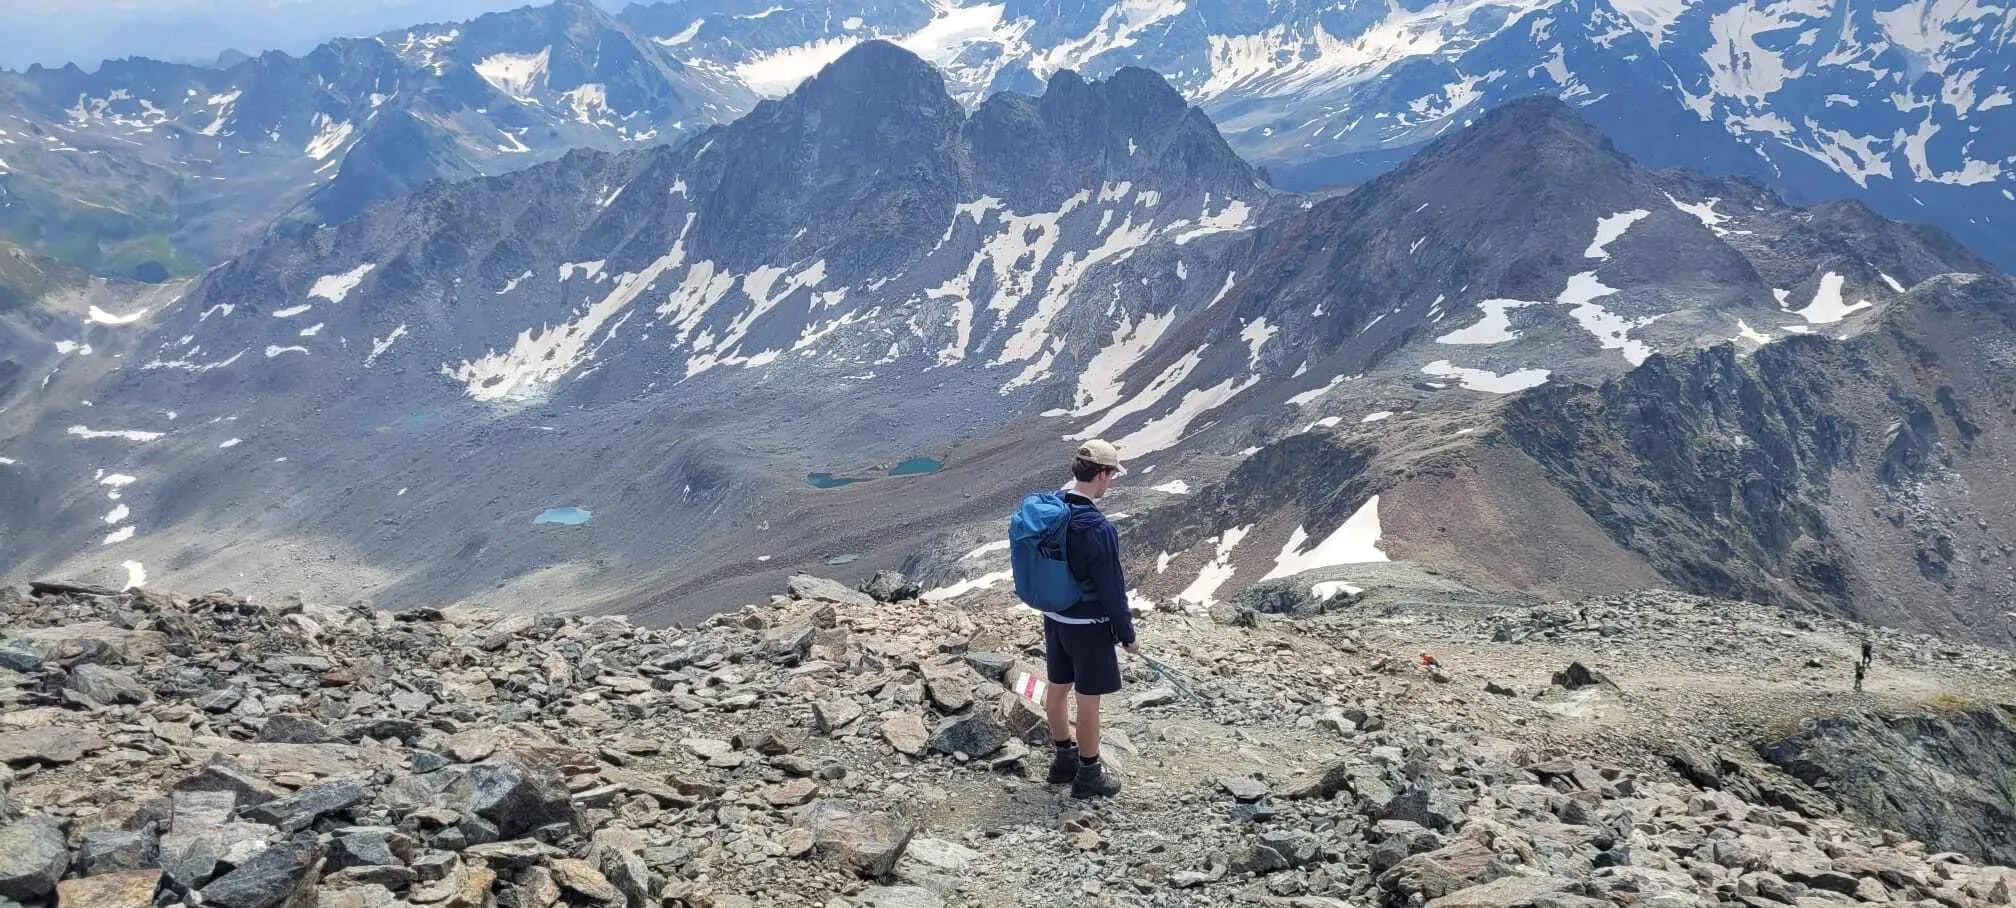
(1519, 358)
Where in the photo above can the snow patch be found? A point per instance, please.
(101, 317)
(232, 443)
(1703, 211)
(335, 287)
(127, 434)
(1173, 487)
(275, 350)
(118, 515)
(1483, 380)
(1609, 229)
(1494, 328)
(1380, 416)
(330, 136)
(1202, 592)
(518, 75)
(136, 575)
(999, 545)
(982, 582)
(1828, 306)
(118, 536)
(380, 345)
(1356, 541)
(292, 311)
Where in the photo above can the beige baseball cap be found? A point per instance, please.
(1102, 453)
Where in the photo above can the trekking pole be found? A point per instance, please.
(1173, 678)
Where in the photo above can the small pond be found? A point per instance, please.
(565, 516)
(917, 466)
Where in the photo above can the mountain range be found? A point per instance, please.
(148, 169)
(854, 325)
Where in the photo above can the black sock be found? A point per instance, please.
(1089, 761)
(1065, 744)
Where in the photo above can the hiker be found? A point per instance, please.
(1428, 662)
(1868, 652)
(1066, 560)
(1861, 669)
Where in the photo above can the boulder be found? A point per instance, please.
(1508, 892)
(819, 589)
(514, 793)
(125, 889)
(105, 851)
(869, 844)
(52, 744)
(575, 875)
(833, 715)
(975, 735)
(224, 776)
(106, 686)
(273, 877)
(891, 586)
(1244, 789)
(905, 732)
(33, 856)
(1578, 676)
(286, 729)
(363, 846)
(301, 809)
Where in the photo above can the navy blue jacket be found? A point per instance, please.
(1093, 550)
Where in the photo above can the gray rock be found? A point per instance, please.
(1578, 676)
(1159, 695)
(188, 858)
(56, 744)
(221, 701)
(869, 844)
(301, 809)
(805, 586)
(222, 775)
(900, 897)
(1243, 788)
(905, 732)
(514, 793)
(286, 729)
(363, 846)
(106, 686)
(891, 586)
(272, 877)
(941, 855)
(33, 856)
(975, 735)
(115, 850)
(833, 715)
(991, 666)
(19, 658)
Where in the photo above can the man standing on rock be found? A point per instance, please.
(1078, 642)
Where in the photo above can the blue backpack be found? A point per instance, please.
(1036, 543)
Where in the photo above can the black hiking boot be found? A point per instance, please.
(1092, 781)
(1064, 766)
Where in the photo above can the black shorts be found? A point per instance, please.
(1083, 655)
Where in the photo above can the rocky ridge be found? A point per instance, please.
(829, 749)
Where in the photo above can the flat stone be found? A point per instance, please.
(55, 745)
(225, 777)
(707, 748)
(513, 853)
(302, 808)
(941, 855)
(791, 793)
(33, 856)
(1159, 695)
(869, 844)
(286, 729)
(806, 586)
(273, 877)
(107, 851)
(125, 889)
(580, 876)
(905, 732)
(364, 846)
(1245, 789)
(900, 897)
(106, 686)
(1503, 893)
(833, 715)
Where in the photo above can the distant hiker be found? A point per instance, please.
(1868, 652)
(1066, 561)
(1861, 669)
(1428, 662)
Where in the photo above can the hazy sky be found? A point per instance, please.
(54, 32)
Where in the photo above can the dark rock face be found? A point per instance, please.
(1738, 477)
(516, 795)
(1945, 779)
